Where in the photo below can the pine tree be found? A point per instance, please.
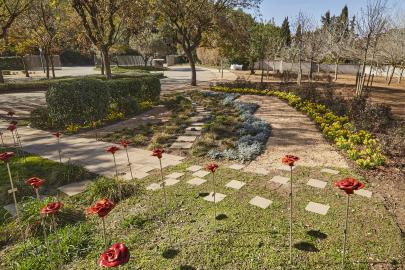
(298, 34)
(326, 20)
(286, 32)
(344, 18)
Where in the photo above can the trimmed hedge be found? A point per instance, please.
(81, 101)
(11, 63)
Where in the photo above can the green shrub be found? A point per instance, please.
(11, 63)
(146, 88)
(128, 105)
(77, 102)
(111, 189)
(40, 118)
(139, 140)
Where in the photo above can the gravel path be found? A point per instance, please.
(292, 133)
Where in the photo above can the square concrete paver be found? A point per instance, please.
(218, 197)
(197, 124)
(235, 184)
(194, 168)
(317, 208)
(260, 202)
(196, 181)
(10, 209)
(317, 183)
(285, 168)
(196, 118)
(330, 171)
(201, 173)
(139, 174)
(171, 182)
(174, 175)
(74, 188)
(280, 179)
(186, 138)
(236, 166)
(364, 193)
(181, 145)
(193, 133)
(194, 128)
(261, 171)
(154, 186)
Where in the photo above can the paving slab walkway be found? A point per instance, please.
(292, 133)
(90, 153)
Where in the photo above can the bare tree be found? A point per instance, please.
(371, 25)
(302, 26)
(313, 47)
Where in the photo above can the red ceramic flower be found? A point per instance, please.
(12, 127)
(10, 113)
(124, 143)
(35, 182)
(6, 156)
(349, 185)
(212, 167)
(51, 208)
(101, 208)
(116, 255)
(57, 134)
(112, 149)
(289, 160)
(158, 152)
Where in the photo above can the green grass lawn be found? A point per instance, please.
(246, 237)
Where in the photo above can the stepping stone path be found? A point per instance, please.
(74, 188)
(235, 184)
(174, 175)
(154, 186)
(186, 138)
(201, 173)
(261, 171)
(317, 183)
(10, 208)
(364, 193)
(193, 128)
(196, 181)
(285, 168)
(317, 208)
(280, 179)
(236, 166)
(260, 202)
(194, 168)
(181, 145)
(218, 197)
(170, 182)
(330, 171)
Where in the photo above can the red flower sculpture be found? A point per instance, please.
(116, 255)
(158, 152)
(12, 127)
(35, 182)
(10, 113)
(289, 160)
(112, 149)
(101, 208)
(349, 185)
(212, 167)
(6, 156)
(57, 134)
(51, 208)
(124, 143)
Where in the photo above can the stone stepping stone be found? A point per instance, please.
(194, 168)
(196, 181)
(154, 186)
(193, 128)
(218, 197)
(330, 171)
(364, 193)
(181, 145)
(139, 174)
(174, 175)
(261, 171)
(317, 183)
(193, 133)
(285, 168)
(74, 188)
(186, 138)
(236, 166)
(235, 184)
(198, 124)
(317, 208)
(10, 209)
(170, 182)
(201, 173)
(197, 118)
(280, 179)
(260, 202)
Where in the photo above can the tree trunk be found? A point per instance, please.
(27, 74)
(145, 61)
(252, 67)
(193, 70)
(299, 70)
(336, 69)
(262, 65)
(392, 74)
(102, 64)
(107, 64)
(310, 69)
(387, 74)
(47, 63)
(52, 67)
(400, 75)
(1, 76)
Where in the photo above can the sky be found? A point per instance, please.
(278, 9)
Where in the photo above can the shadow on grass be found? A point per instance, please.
(221, 217)
(187, 267)
(305, 246)
(203, 194)
(170, 253)
(317, 234)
